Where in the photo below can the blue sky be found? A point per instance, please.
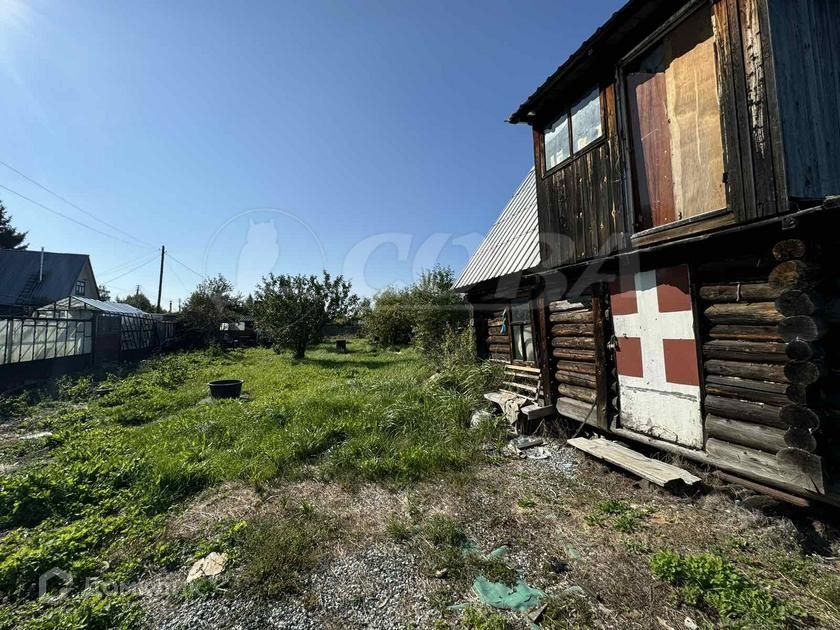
(367, 137)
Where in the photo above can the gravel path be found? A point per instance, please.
(376, 587)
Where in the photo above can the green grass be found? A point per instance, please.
(709, 581)
(624, 518)
(117, 464)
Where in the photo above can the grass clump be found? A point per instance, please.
(278, 551)
(624, 518)
(567, 611)
(483, 619)
(398, 529)
(708, 581)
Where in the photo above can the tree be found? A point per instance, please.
(389, 318)
(138, 300)
(421, 313)
(435, 308)
(294, 309)
(212, 303)
(10, 238)
(104, 293)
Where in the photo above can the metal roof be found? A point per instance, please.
(20, 269)
(74, 303)
(513, 243)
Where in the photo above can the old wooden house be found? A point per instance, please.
(687, 162)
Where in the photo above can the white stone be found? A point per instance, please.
(212, 564)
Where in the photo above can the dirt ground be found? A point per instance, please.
(550, 514)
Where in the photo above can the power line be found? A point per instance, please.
(123, 265)
(187, 267)
(69, 218)
(143, 264)
(70, 203)
(177, 277)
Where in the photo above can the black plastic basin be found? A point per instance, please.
(227, 388)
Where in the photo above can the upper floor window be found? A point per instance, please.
(80, 287)
(675, 125)
(575, 130)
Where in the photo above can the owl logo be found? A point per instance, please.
(258, 255)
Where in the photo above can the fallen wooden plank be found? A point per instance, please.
(653, 470)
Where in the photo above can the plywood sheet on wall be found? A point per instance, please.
(694, 118)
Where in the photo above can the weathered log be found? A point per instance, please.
(753, 313)
(802, 438)
(571, 317)
(757, 351)
(499, 349)
(573, 330)
(577, 368)
(496, 322)
(769, 439)
(745, 410)
(577, 410)
(798, 302)
(494, 330)
(806, 467)
(585, 343)
(572, 378)
(790, 469)
(498, 339)
(558, 306)
(794, 274)
(573, 354)
(779, 394)
(800, 416)
(789, 249)
(803, 372)
(802, 327)
(745, 333)
(578, 393)
(799, 350)
(754, 371)
(741, 292)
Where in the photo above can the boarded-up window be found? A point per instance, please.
(674, 110)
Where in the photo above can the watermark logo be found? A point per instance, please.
(53, 578)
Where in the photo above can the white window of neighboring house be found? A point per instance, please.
(79, 290)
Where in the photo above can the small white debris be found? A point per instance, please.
(690, 624)
(479, 417)
(212, 564)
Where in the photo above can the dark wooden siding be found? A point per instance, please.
(806, 51)
(580, 209)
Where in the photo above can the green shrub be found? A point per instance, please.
(74, 389)
(710, 581)
(80, 612)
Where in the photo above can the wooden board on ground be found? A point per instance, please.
(653, 470)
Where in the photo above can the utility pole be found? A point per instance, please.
(170, 306)
(160, 279)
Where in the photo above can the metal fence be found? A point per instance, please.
(36, 339)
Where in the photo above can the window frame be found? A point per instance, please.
(567, 112)
(708, 220)
(521, 324)
(77, 285)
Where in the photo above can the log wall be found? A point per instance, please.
(573, 358)
(762, 354)
(497, 342)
